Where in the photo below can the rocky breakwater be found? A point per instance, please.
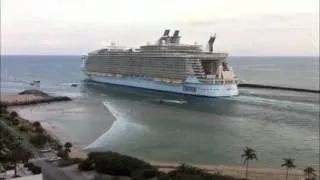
(29, 97)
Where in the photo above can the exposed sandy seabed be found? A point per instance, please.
(10, 98)
(259, 173)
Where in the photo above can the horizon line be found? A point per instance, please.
(246, 55)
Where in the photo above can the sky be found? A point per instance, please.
(246, 27)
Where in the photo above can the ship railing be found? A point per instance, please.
(162, 54)
(219, 81)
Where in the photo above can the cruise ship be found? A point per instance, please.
(167, 65)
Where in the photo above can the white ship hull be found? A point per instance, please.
(208, 90)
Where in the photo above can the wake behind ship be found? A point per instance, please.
(165, 66)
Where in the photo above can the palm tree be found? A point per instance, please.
(36, 124)
(67, 146)
(248, 154)
(13, 114)
(64, 153)
(288, 162)
(309, 172)
(37, 127)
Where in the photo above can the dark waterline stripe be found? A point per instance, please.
(260, 86)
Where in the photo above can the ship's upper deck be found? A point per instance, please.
(173, 48)
(165, 45)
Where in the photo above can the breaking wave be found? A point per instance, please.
(122, 130)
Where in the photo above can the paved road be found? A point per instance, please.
(49, 172)
(52, 172)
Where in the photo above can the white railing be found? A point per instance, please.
(219, 81)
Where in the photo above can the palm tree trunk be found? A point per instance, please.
(15, 169)
(247, 169)
(287, 173)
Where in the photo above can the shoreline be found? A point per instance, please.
(233, 170)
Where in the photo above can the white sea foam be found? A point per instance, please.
(69, 94)
(122, 129)
(69, 84)
(279, 103)
(173, 101)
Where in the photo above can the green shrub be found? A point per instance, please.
(116, 164)
(77, 160)
(86, 165)
(35, 169)
(14, 114)
(23, 128)
(186, 172)
(3, 105)
(36, 124)
(3, 109)
(8, 166)
(38, 140)
(28, 165)
(63, 154)
(164, 177)
(145, 174)
(15, 122)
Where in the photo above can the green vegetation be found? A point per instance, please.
(248, 154)
(12, 150)
(64, 154)
(13, 115)
(310, 173)
(31, 167)
(289, 164)
(186, 172)
(116, 164)
(3, 109)
(38, 139)
(68, 146)
(33, 132)
(14, 130)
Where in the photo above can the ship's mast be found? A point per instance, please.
(211, 41)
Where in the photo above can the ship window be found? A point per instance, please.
(190, 89)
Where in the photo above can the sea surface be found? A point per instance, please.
(277, 124)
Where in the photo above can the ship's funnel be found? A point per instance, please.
(176, 33)
(211, 41)
(166, 32)
(175, 38)
(165, 37)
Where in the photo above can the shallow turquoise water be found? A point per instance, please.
(278, 124)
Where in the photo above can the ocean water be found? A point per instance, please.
(278, 124)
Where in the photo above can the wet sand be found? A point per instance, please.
(29, 97)
(12, 98)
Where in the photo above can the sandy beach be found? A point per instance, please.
(262, 173)
(12, 98)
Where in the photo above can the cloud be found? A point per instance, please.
(52, 41)
(276, 34)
